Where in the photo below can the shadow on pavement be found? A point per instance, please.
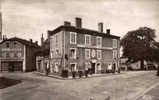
(7, 82)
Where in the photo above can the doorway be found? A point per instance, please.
(93, 68)
(11, 67)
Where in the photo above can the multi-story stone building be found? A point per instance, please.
(17, 55)
(73, 48)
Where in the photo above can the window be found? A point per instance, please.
(7, 45)
(87, 53)
(114, 43)
(73, 67)
(56, 68)
(7, 54)
(57, 51)
(115, 54)
(99, 67)
(19, 54)
(93, 53)
(56, 40)
(87, 39)
(73, 53)
(73, 37)
(99, 54)
(15, 55)
(52, 54)
(3, 54)
(15, 44)
(12, 54)
(99, 41)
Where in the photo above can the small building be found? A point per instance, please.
(148, 65)
(73, 48)
(42, 55)
(17, 54)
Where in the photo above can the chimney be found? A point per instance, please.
(108, 31)
(42, 39)
(31, 41)
(4, 37)
(36, 42)
(78, 22)
(100, 27)
(48, 34)
(66, 23)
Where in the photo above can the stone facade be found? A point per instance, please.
(73, 48)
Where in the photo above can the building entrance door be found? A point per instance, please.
(11, 67)
(93, 68)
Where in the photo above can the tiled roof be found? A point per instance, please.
(23, 41)
(81, 30)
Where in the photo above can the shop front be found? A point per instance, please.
(11, 66)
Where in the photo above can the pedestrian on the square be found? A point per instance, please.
(89, 68)
(80, 71)
(86, 70)
(47, 69)
(114, 68)
(73, 72)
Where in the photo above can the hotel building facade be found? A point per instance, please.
(73, 48)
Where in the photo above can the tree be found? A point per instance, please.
(137, 45)
(155, 54)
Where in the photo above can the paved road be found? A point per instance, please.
(125, 86)
(150, 94)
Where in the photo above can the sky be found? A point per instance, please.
(30, 18)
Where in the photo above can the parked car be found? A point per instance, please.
(130, 68)
(151, 67)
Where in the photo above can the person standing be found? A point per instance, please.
(86, 70)
(80, 71)
(114, 67)
(47, 69)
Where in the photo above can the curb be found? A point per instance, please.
(70, 78)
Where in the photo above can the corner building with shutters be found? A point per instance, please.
(73, 48)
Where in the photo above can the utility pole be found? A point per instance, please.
(0, 26)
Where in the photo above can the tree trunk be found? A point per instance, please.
(142, 64)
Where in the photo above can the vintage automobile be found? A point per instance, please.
(151, 67)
